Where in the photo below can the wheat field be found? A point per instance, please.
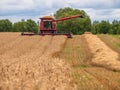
(28, 63)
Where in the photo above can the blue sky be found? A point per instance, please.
(15, 10)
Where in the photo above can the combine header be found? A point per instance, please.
(48, 26)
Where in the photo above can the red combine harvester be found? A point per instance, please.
(48, 26)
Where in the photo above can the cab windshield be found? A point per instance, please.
(47, 24)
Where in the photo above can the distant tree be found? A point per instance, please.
(118, 31)
(95, 27)
(31, 26)
(5, 25)
(77, 25)
(20, 26)
(16, 27)
(105, 27)
(25, 26)
(101, 27)
(115, 27)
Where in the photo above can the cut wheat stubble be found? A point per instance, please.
(35, 68)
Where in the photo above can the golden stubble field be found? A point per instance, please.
(41, 63)
(27, 63)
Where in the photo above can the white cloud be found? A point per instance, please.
(16, 5)
(96, 9)
(103, 14)
(92, 3)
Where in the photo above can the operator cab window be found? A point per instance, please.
(47, 24)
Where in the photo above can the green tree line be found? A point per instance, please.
(105, 27)
(75, 26)
(21, 26)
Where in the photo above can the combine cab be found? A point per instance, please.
(48, 26)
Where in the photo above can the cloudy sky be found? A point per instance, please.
(16, 10)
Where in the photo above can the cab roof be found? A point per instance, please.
(47, 17)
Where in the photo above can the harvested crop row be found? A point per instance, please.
(103, 55)
(33, 67)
